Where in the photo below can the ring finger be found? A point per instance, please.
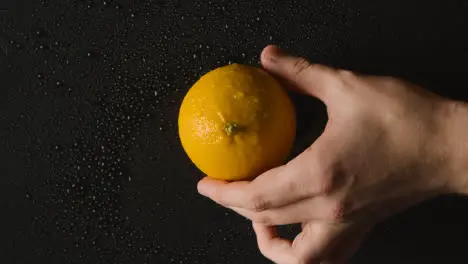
(318, 208)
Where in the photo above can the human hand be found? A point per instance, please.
(384, 149)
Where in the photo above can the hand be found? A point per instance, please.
(383, 150)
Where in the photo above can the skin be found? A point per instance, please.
(388, 145)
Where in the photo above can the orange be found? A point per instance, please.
(237, 122)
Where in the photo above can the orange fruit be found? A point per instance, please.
(237, 122)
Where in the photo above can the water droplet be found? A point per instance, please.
(41, 33)
(155, 93)
(194, 56)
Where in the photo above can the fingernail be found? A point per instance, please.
(272, 53)
(202, 189)
(277, 52)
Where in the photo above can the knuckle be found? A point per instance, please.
(347, 82)
(263, 219)
(292, 186)
(331, 176)
(301, 65)
(257, 203)
(338, 210)
(326, 184)
(326, 179)
(346, 73)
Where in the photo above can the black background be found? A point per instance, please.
(91, 167)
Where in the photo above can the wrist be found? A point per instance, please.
(454, 145)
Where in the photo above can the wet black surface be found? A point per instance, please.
(92, 170)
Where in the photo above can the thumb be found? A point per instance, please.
(302, 75)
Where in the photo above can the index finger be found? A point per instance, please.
(300, 179)
(243, 194)
(272, 189)
(306, 77)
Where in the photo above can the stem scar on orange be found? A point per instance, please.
(237, 122)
